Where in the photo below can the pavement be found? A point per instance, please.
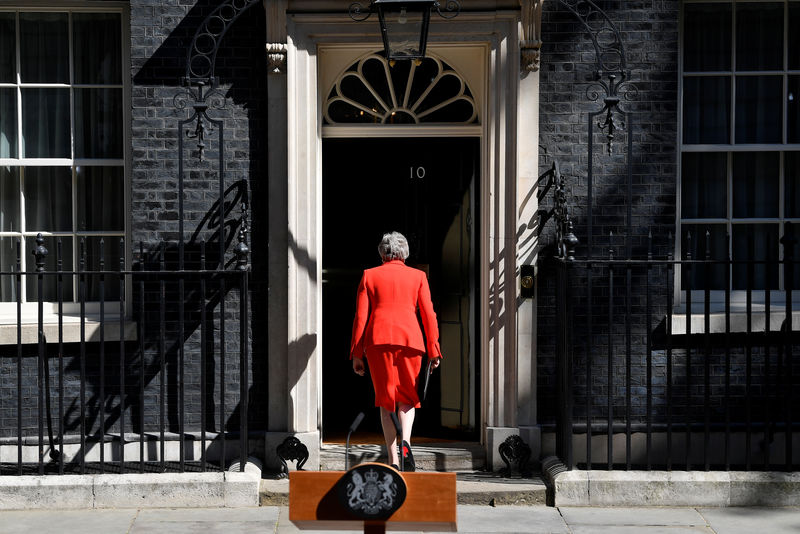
(537, 519)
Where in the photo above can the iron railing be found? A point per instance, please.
(657, 368)
(145, 382)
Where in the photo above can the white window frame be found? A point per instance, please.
(8, 310)
(738, 297)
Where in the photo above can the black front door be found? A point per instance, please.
(425, 188)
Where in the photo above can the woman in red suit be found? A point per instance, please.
(387, 331)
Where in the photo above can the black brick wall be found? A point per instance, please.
(649, 31)
(160, 34)
(160, 31)
(757, 386)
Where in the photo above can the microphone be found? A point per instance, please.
(356, 422)
(399, 430)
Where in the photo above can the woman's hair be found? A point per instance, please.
(393, 246)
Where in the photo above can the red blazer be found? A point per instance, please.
(386, 310)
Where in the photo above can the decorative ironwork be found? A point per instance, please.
(205, 98)
(201, 94)
(40, 253)
(612, 90)
(402, 8)
(201, 56)
(241, 250)
(102, 412)
(609, 50)
(291, 449)
(610, 85)
(515, 449)
(452, 7)
(566, 242)
(611, 72)
(369, 91)
(359, 13)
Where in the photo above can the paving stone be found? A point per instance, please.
(749, 520)
(67, 521)
(620, 516)
(586, 529)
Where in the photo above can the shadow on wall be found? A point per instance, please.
(242, 71)
(156, 75)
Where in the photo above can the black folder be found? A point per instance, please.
(423, 380)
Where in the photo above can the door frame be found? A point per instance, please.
(474, 323)
(496, 36)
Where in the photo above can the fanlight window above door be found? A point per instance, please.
(372, 92)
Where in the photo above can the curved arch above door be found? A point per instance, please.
(373, 91)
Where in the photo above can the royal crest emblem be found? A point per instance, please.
(372, 491)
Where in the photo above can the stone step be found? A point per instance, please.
(446, 456)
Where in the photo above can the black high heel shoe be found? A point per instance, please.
(408, 458)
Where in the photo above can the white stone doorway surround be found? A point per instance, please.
(484, 48)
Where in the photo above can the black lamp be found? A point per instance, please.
(404, 24)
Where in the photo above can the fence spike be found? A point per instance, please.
(610, 244)
(39, 252)
(689, 245)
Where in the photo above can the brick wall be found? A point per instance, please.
(719, 381)
(649, 32)
(160, 32)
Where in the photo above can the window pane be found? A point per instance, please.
(98, 123)
(755, 184)
(8, 263)
(794, 35)
(45, 124)
(694, 243)
(793, 110)
(9, 199)
(757, 242)
(97, 52)
(8, 48)
(791, 173)
(100, 199)
(49, 281)
(706, 110)
(8, 122)
(707, 37)
(759, 36)
(111, 254)
(48, 199)
(44, 47)
(758, 109)
(703, 184)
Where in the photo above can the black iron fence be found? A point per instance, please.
(686, 363)
(117, 370)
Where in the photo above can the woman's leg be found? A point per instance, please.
(406, 415)
(390, 436)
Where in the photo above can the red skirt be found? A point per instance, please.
(394, 370)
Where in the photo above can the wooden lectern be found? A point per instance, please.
(374, 496)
